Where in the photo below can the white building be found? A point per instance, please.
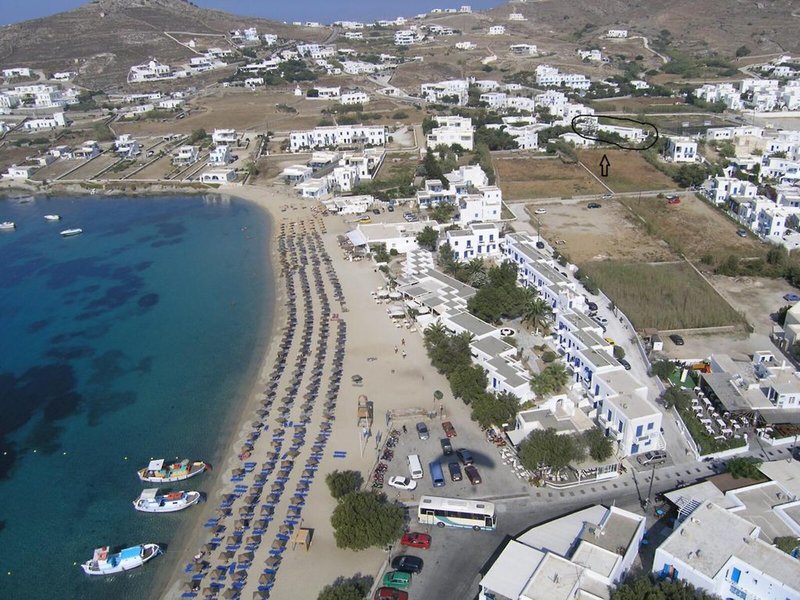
(437, 92)
(354, 35)
(349, 205)
(497, 30)
(681, 149)
(401, 237)
(724, 188)
(218, 176)
(16, 72)
(127, 147)
(548, 76)
(466, 45)
(406, 37)
(321, 137)
(225, 137)
(478, 240)
(220, 155)
(354, 97)
(485, 206)
(577, 556)
(22, 172)
(57, 120)
(149, 71)
(451, 130)
(8, 100)
(591, 55)
(515, 16)
(270, 39)
(185, 156)
(617, 33)
(87, 151)
(721, 553)
(523, 49)
(171, 103)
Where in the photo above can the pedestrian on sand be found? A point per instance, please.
(404, 353)
(403, 341)
(395, 349)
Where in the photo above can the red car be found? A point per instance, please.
(673, 200)
(387, 593)
(416, 540)
(449, 430)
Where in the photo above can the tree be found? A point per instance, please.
(433, 170)
(663, 369)
(341, 483)
(550, 380)
(690, 175)
(599, 446)
(546, 446)
(488, 409)
(641, 587)
(197, 135)
(442, 212)
(352, 588)
(364, 519)
(428, 238)
(447, 259)
(678, 398)
(468, 382)
(746, 467)
(742, 51)
(619, 352)
(536, 311)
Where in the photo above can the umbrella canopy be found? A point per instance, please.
(199, 566)
(233, 539)
(276, 487)
(357, 378)
(225, 555)
(272, 561)
(313, 461)
(230, 593)
(253, 539)
(245, 557)
(297, 500)
(266, 578)
(244, 510)
(209, 593)
(277, 544)
(219, 528)
(267, 510)
(239, 575)
(284, 529)
(209, 547)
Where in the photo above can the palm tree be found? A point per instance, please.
(434, 334)
(536, 312)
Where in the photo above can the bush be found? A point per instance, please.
(549, 448)
(353, 588)
(341, 483)
(599, 446)
(745, 467)
(400, 115)
(548, 356)
(364, 519)
(619, 352)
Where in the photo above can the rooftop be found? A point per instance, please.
(472, 324)
(492, 346)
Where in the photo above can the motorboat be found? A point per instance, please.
(71, 232)
(103, 562)
(156, 472)
(52, 217)
(7, 226)
(151, 501)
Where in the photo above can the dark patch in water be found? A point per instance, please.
(114, 297)
(107, 403)
(146, 238)
(44, 438)
(148, 300)
(162, 243)
(70, 352)
(107, 367)
(38, 325)
(170, 229)
(88, 315)
(145, 365)
(50, 389)
(144, 265)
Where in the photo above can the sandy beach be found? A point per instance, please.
(330, 437)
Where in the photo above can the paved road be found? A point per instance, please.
(457, 558)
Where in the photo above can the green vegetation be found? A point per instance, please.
(428, 238)
(551, 380)
(102, 132)
(787, 543)
(547, 447)
(707, 443)
(379, 253)
(442, 212)
(197, 136)
(495, 139)
(742, 51)
(537, 313)
(341, 483)
(156, 114)
(663, 369)
(598, 445)
(484, 159)
(745, 467)
(664, 296)
(488, 409)
(500, 297)
(365, 519)
(777, 263)
(399, 115)
(619, 352)
(352, 588)
(641, 587)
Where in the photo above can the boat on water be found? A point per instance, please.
(151, 501)
(52, 217)
(7, 226)
(156, 472)
(71, 232)
(103, 562)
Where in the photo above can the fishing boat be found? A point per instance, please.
(52, 217)
(7, 226)
(105, 563)
(156, 472)
(151, 501)
(71, 232)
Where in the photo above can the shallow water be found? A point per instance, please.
(136, 339)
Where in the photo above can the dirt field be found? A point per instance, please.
(157, 170)
(55, 169)
(692, 227)
(92, 168)
(402, 165)
(606, 233)
(522, 178)
(757, 297)
(628, 171)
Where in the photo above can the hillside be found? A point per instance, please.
(102, 39)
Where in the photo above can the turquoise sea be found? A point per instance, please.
(137, 339)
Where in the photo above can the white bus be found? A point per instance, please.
(455, 512)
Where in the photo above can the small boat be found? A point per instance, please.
(151, 501)
(71, 232)
(7, 226)
(156, 472)
(104, 563)
(52, 217)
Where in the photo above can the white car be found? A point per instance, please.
(601, 320)
(402, 483)
(540, 211)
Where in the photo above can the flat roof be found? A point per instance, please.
(785, 472)
(560, 579)
(621, 381)
(589, 338)
(492, 346)
(547, 420)
(510, 374)
(732, 398)
(472, 324)
(760, 501)
(580, 321)
(599, 358)
(513, 568)
(720, 535)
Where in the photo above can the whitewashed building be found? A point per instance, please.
(437, 92)
(185, 156)
(451, 130)
(548, 76)
(226, 137)
(149, 71)
(681, 149)
(57, 120)
(477, 240)
(617, 33)
(220, 155)
(218, 176)
(321, 137)
(497, 30)
(354, 97)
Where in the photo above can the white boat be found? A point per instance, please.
(104, 563)
(156, 472)
(7, 226)
(52, 217)
(71, 232)
(151, 501)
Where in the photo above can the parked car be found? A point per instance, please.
(602, 320)
(607, 196)
(741, 232)
(402, 483)
(376, 211)
(791, 297)
(397, 579)
(540, 211)
(408, 564)
(592, 306)
(150, 153)
(422, 431)
(447, 447)
(594, 205)
(608, 340)
(625, 364)
(388, 593)
(653, 457)
(472, 474)
(673, 200)
(416, 540)
(677, 339)
(449, 430)
(455, 471)
(465, 456)
(390, 208)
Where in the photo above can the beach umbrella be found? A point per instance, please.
(209, 593)
(281, 420)
(237, 472)
(278, 544)
(297, 500)
(225, 555)
(276, 444)
(267, 510)
(272, 561)
(271, 456)
(239, 575)
(284, 529)
(233, 539)
(244, 510)
(198, 566)
(257, 424)
(313, 461)
(251, 499)
(253, 539)
(230, 593)
(262, 523)
(294, 512)
(266, 578)
(285, 464)
(224, 512)
(246, 557)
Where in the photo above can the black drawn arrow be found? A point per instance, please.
(604, 164)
